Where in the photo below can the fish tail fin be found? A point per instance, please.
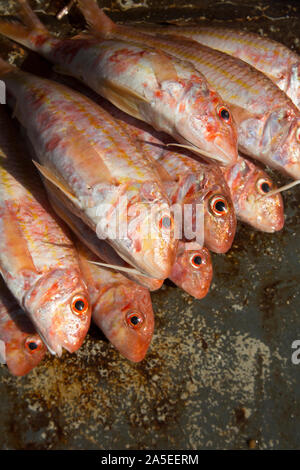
(30, 33)
(97, 20)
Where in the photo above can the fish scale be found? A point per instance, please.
(277, 61)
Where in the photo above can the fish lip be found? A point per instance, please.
(225, 159)
(54, 350)
(229, 152)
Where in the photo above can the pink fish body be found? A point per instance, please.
(249, 186)
(268, 122)
(151, 85)
(192, 270)
(278, 62)
(20, 347)
(93, 168)
(121, 308)
(101, 248)
(37, 259)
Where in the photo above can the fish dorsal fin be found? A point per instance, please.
(29, 18)
(50, 176)
(123, 98)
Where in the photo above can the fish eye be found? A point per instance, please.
(224, 114)
(298, 134)
(196, 260)
(263, 186)
(218, 206)
(134, 319)
(33, 345)
(79, 305)
(166, 222)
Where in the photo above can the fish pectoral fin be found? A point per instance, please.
(162, 174)
(163, 67)
(124, 98)
(50, 176)
(57, 68)
(240, 114)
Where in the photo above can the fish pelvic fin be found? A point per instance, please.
(52, 178)
(99, 23)
(123, 98)
(32, 33)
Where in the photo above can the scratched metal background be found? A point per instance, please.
(219, 371)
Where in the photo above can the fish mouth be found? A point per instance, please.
(146, 265)
(228, 151)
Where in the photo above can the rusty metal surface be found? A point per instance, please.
(219, 371)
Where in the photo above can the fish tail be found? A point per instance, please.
(31, 33)
(97, 20)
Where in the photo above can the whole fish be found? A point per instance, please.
(249, 186)
(267, 120)
(93, 167)
(37, 259)
(278, 62)
(168, 93)
(21, 349)
(192, 270)
(121, 308)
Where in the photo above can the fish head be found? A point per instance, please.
(23, 349)
(24, 352)
(206, 123)
(60, 310)
(149, 244)
(263, 212)
(214, 211)
(124, 314)
(281, 136)
(192, 270)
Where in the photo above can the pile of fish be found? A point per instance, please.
(152, 123)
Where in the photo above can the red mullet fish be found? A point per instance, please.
(37, 259)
